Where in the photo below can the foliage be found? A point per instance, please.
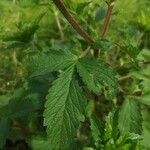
(98, 76)
(67, 90)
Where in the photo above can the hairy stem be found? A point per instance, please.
(105, 25)
(60, 5)
(104, 29)
(107, 20)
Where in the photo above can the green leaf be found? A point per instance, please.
(98, 76)
(50, 61)
(96, 129)
(100, 14)
(111, 130)
(128, 139)
(130, 119)
(131, 50)
(145, 99)
(111, 125)
(20, 105)
(81, 7)
(40, 144)
(102, 45)
(20, 108)
(25, 31)
(108, 128)
(4, 100)
(65, 107)
(144, 55)
(5, 127)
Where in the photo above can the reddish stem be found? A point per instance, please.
(60, 5)
(96, 53)
(105, 26)
(107, 20)
(104, 29)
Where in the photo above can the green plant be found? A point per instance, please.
(73, 94)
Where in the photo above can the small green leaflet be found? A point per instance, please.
(25, 32)
(145, 99)
(65, 107)
(98, 76)
(130, 119)
(102, 44)
(96, 129)
(131, 50)
(53, 60)
(5, 127)
(111, 126)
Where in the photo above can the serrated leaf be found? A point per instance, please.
(98, 76)
(50, 61)
(25, 30)
(111, 125)
(5, 127)
(108, 127)
(128, 139)
(65, 107)
(96, 129)
(130, 119)
(102, 45)
(131, 50)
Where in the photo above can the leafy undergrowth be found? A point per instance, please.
(57, 92)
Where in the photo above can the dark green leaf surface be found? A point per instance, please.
(65, 107)
(21, 105)
(100, 14)
(130, 119)
(98, 76)
(96, 130)
(5, 127)
(40, 144)
(51, 61)
(131, 50)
